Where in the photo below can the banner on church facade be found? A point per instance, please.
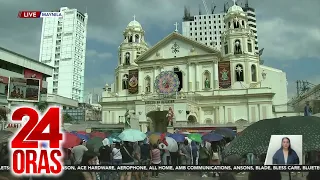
(133, 81)
(224, 75)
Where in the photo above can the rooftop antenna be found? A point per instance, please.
(86, 10)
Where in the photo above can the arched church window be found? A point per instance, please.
(242, 23)
(229, 24)
(249, 46)
(120, 58)
(180, 76)
(206, 80)
(239, 72)
(127, 58)
(237, 47)
(236, 23)
(125, 83)
(130, 38)
(137, 38)
(226, 50)
(253, 73)
(147, 84)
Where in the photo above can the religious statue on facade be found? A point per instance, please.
(125, 84)
(148, 87)
(127, 60)
(170, 116)
(237, 47)
(127, 117)
(207, 83)
(307, 110)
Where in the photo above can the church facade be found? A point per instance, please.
(198, 84)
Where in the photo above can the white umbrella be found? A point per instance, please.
(172, 144)
(106, 142)
(132, 135)
(189, 140)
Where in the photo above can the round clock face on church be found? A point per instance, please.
(167, 82)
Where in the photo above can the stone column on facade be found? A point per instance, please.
(224, 115)
(216, 75)
(190, 74)
(102, 117)
(154, 78)
(200, 115)
(196, 75)
(216, 114)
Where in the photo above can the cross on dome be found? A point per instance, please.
(134, 17)
(234, 2)
(176, 24)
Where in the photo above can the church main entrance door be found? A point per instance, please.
(158, 121)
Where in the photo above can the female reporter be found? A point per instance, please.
(285, 155)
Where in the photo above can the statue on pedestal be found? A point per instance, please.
(170, 116)
(207, 84)
(127, 117)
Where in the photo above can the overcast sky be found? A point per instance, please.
(289, 30)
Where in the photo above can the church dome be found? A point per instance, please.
(134, 24)
(235, 8)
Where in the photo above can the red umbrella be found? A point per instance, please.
(98, 134)
(70, 140)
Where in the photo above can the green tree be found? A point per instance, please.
(67, 118)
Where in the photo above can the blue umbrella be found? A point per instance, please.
(212, 137)
(149, 133)
(225, 132)
(84, 137)
(177, 137)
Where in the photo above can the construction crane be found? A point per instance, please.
(205, 6)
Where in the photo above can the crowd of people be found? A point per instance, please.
(145, 153)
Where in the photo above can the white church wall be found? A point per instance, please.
(166, 51)
(277, 81)
(240, 111)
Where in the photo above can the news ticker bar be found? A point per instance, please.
(186, 168)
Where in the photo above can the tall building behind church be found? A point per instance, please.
(63, 46)
(208, 28)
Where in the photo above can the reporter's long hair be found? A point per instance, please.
(289, 148)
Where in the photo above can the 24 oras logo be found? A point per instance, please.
(28, 157)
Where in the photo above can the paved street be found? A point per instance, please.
(196, 176)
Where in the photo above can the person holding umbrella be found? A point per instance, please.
(127, 159)
(185, 154)
(204, 156)
(215, 156)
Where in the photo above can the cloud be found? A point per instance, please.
(286, 41)
(95, 54)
